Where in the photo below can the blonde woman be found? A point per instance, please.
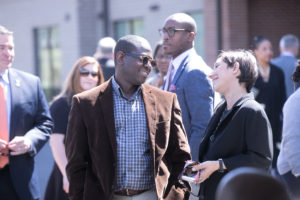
(85, 74)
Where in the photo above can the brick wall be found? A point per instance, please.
(233, 27)
(274, 18)
(244, 19)
(211, 34)
(234, 24)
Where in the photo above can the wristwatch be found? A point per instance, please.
(221, 169)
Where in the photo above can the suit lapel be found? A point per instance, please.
(211, 127)
(234, 108)
(180, 70)
(15, 87)
(150, 109)
(107, 106)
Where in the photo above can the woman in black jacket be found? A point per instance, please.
(269, 89)
(239, 133)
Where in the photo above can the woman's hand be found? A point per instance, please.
(59, 154)
(205, 170)
(66, 184)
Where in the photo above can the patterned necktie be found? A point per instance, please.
(3, 125)
(170, 76)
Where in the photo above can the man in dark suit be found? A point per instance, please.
(188, 77)
(25, 126)
(126, 138)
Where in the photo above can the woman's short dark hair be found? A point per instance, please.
(157, 47)
(247, 64)
(257, 40)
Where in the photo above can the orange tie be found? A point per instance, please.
(3, 125)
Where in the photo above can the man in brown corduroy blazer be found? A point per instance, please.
(126, 138)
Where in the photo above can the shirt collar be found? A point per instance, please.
(242, 100)
(286, 53)
(5, 76)
(118, 90)
(177, 61)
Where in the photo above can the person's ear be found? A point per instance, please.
(236, 68)
(120, 57)
(192, 36)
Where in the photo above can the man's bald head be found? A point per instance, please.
(130, 68)
(130, 43)
(185, 20)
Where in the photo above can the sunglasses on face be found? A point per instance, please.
(171, 31)
(84, 72)
(143, 58)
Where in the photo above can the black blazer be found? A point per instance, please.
(242, 138)
(30, 117)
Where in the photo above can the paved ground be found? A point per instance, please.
(44, 163)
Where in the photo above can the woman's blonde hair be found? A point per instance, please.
(72, 84)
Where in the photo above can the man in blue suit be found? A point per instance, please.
(289, 48)
(25, 126)
(188, 77)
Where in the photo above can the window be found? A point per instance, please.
(48, 59)
(199, 40)
(125, 27)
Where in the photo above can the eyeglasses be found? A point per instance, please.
(171, 31)
(143, 58)
(84, 72)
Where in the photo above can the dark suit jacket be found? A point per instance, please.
(91, 146)
(30, 117)
(242, 138)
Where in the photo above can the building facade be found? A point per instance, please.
(51, 34)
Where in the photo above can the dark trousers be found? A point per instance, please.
(7, 191)
(292, 183)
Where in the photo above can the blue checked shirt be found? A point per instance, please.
(134, 169)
